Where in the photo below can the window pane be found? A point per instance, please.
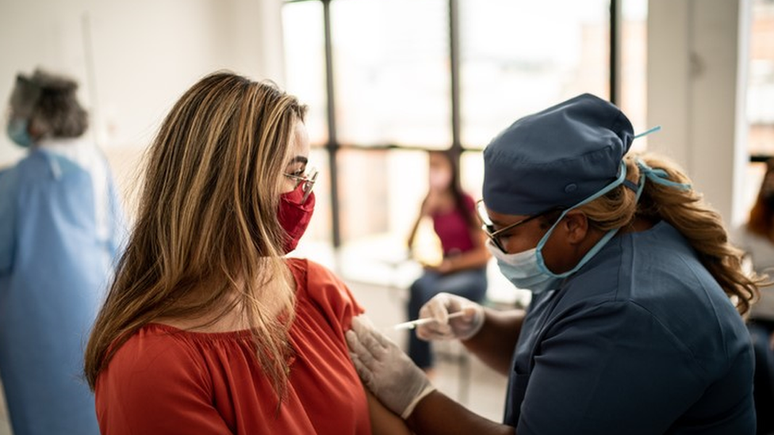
(472, 173)
(633, 48)
(760, 95)
(392, 72)
(304, 43)
(520, 56)
(760, 92)
(380, 196)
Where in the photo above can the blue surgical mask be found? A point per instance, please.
(527, 269)
(18, 132)
(522, 270)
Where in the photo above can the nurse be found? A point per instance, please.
(634, 325)
(60, 231)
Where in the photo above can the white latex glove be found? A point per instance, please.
(444, 328)
(385, 369)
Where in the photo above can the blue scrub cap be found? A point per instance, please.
(557, 157)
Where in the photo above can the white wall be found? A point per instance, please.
(134, 58)
(697, 70)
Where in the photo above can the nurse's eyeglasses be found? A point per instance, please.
(488, 227)
(307, 179)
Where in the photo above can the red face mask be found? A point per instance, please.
(294, 216)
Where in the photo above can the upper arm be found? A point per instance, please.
(332, 296)
(383, 421)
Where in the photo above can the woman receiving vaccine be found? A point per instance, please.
(208, 328)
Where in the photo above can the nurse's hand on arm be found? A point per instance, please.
(490, 334)
(403, 388)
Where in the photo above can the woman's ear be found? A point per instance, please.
(576, 225)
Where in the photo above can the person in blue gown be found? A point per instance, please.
(60, 232)
(635, 325)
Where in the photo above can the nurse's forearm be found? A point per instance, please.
(438, 414)
(495, 342)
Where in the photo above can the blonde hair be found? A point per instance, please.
(687, 212)
(207, 240)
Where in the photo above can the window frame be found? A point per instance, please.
(333, 146)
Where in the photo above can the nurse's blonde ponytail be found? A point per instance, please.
(687, 212)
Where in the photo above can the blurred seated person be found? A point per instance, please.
(756, 238)
(462, 271)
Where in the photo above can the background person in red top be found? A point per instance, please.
(208, 329)
(463, 268)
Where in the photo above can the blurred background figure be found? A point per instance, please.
(756, 238)
(462, 269)
(60, 231)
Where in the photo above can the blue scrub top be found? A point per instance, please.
(641, 340)
(54, 270)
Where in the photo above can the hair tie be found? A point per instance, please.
(649, 131)
(658, 176)
(631, 185)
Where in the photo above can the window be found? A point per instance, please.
(391, 72)
(760, 94)
(518, 57)
(405, 76)
(633, 68)
(305, 59)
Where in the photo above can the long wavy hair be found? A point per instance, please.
(689, 214)
(207, 240)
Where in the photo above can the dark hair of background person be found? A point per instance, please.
(761, 220)
(57, 112)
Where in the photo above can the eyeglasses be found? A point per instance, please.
(307, 179)
(488, 227)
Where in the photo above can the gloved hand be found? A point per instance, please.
(385, 369)
(444, 328)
